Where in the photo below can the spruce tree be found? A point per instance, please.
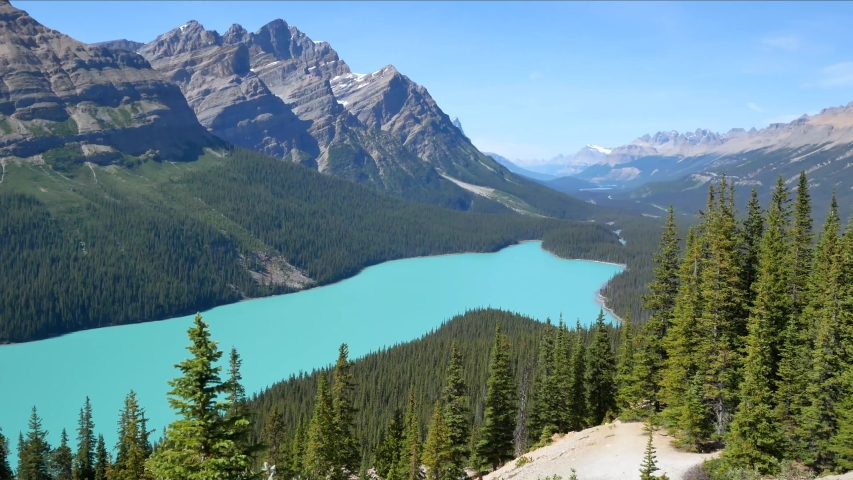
(201, 443)
(722, 323)
(755, 440)
(273, 436)
(457, 415)
(627, 391)
(320, 451)
(132, 447)
(238, 451)
(600, 375)
(660, 302)
(408, 465)
(560, 403)
(298, 448)
(649, 465)
(5, 470)
(34, 452)
(576, 411)
(84, 460)
(387, 453)
(841, 444)
(751, 232)
(102, 460)
(801, 245)
(438, 450)
(546, 411)
(61, 460)
(832, 320)
(496, 436)
(346, 445)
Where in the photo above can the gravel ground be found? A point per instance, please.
(608, 452)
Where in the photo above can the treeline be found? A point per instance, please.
(748, 342)
(163, 241)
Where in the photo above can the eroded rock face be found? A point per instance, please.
(55, 90)
(227, 96)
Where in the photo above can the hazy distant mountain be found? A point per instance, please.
(519, 170)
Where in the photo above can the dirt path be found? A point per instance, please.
(92, 168)
(609, 452)
(3, 175)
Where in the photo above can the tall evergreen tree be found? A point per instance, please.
(273, 436)
(132, 447)
(34, 452)
(320, 451)
(408, 465)
(560, 406)
(627, 392)
(456, 414)
(755, 440)
(102, 460)
(84, 459)
(346, 443)
(298, 449)
(801, 245)
(238, 451)
(751, 231)
(831, 320)
(576, 411)
(651, 357)
(61, 460)
(200, 444)
(496, 437)
(546, 411)
(387, 453)
(5, 470)
(600, 375)
(722, 323)
(438, 451)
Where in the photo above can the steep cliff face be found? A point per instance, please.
(55, 90)
(227, 96)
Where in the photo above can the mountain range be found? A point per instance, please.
(146, 181)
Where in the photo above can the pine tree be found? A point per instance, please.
(200, 445)
(5, 469)
(546, 411)
(722, 323)
(649, 465)
(755, 440)
(132, 447)
(692, 418)
(408, 466)
(298, 448)
(84, 460)
(496, 437)
(346, 444)
(387, 453)
(61, 460)
(560, 404)
(627, 391)
(681, 339)
(237, 450)
(600, 375)
(576, 411)
(801, 245)
(652, 354)
(102, 460)
(457, 414)
(752, 231)
(438, 450)
(273, 436)
(829, 291)
(320, 453)
(34, 452)
(841, 444)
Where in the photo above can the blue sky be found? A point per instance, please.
(531, 80)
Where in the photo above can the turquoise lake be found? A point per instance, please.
(385, 304)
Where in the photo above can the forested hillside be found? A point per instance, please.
(90, 246)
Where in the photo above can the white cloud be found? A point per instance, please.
(782, 42)
(838, 75)
(535, 76)
(754, 107)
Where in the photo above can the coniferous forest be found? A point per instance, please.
(745, 349)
